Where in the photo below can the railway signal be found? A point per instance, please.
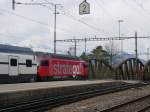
(84, 8)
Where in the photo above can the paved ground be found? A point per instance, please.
(42, 85)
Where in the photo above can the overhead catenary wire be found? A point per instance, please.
(31, 20)
(40, 3)
(66, 30)
(114, 17)
(130, 5)
(77, 19)
(67, 13)
(47, 2)
(146, 11)
(143, 9)
(44, 5)
(85, 23)
(75, 40)
(102, 39)
(139, 13)
(8, 35)
(23, 17)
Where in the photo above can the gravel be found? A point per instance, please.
(99, 103)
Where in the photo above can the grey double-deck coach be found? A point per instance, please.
(17, 64)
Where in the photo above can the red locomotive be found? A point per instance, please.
(54, 66)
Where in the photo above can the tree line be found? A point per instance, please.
(102, 54)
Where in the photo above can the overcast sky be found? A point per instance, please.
(32, 25)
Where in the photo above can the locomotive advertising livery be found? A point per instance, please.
(54, 65)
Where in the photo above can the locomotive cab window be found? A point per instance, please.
(29, 63)
(44, 63)
(13, 62)
(85, 65)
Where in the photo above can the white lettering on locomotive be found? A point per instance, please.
(76, 69)
(66, 69)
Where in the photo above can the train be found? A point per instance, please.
(22, 64)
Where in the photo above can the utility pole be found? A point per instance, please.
(136, 55)
(55, 20)
(111, 50)
(13, 4)
(148, 53)
(75, 46)
(55, 29)
(119, 21)
(85, 45)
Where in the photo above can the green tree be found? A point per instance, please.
(100, 71)
(84, 56)
(99, 53)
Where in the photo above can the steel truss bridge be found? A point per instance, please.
(129, 69)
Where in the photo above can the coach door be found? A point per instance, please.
(13, 65)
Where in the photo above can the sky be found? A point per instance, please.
(33, 25)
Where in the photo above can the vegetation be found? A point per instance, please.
(84, 56)
(99, 68)
(98, 53)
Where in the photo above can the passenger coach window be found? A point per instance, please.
(29, 63)
(13, 62)
(44, 63)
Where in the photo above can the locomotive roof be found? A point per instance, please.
(15, 49)
(61, 56)
(64, 56)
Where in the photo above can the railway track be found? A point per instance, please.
(141, 104)
(146, 109)
(41, 105)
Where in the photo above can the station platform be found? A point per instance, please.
(15, 93)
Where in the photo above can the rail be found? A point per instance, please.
(48, 103)
(121, 106)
